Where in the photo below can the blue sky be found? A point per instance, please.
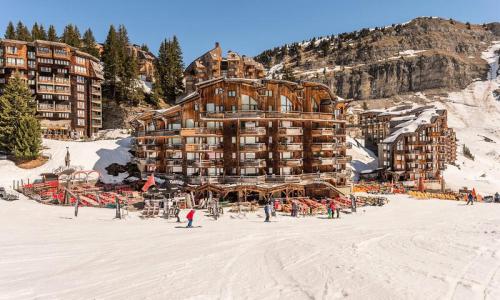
(247, 26)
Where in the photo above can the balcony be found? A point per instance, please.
(173, 147)
(201, 131)
(323, 132)
(323, 161)
(171, 162)
(257, 147)
(290, 162)
(290, 147)
(256, 163)
(160, 132)
(207, 163)
(203, 148)
(324, 146)
(145, 161)
(53, 108)
(253, 131)
(291, 131)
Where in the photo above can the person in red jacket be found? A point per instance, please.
(190, 217)
(332, 208)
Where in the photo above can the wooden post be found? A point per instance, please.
(118, 212)
(77, 201)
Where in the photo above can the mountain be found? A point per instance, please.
(424, 53)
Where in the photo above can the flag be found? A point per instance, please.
(149, 183)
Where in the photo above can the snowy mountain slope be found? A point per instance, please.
(474, 113)
(87, 155)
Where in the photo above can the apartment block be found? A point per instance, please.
(65, 82)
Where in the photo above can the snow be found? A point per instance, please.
(96, 155)
(362, 158)
(408, 249)
(474, 113)
(412, 125)
(410, 53)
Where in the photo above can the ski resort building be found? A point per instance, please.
(213, 65)
(248, 135)
(66, 84)
(411, 142)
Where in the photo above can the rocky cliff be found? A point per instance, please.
(425, 53)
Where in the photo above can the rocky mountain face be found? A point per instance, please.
(425, 53)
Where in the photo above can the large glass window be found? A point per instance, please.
(286, 104)
(248, 103)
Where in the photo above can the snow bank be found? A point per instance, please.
(408, 249)
(362, 158)
(95, 155)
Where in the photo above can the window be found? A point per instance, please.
(81, 122)
(60, 52)
(248, 103)
(314, 105)
(11, 50)
(45, 69)
(15, 61)
(286, 104)
(231, 93)
(44, 60)
(269, 93)
(80, 60)
(47, 97)
(31, 64)
(63, 97)
(81, 113)
(80, 69)
(219, 91)
(64, 115)
(80, 87)
(61, 62)
(43, 50)
(210, 107)
(81, 105)
(31, 55)
(80, 79)
(62, 71)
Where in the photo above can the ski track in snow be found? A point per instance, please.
(408, 249)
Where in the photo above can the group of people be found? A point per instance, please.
(332, 208)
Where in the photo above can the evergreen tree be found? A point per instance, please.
(170, 69)
(144, 47)
(89, 43)
(52, 34)
(19, 129)
(71, 36)
(110, 60)
(22, 32)
(43, 33)
(288, 74)
(10, 32)
(35, 31)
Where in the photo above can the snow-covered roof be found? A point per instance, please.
(411, 126)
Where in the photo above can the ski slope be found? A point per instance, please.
(408, 249)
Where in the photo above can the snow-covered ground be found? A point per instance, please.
(474, 113)
(362, 158)
(96, 155)
(408, 249)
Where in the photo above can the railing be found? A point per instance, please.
(253, 131)
(290, 131)
(157, 133)
(52, 108)
(253, 147)
(323, 161)
(169, 162)
(206, 163)
(290, 147)
(203, 147)
(290, 162)
(259, 179)
(201, 131)
(317, 116)
(257, 163)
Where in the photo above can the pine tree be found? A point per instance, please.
(10, 32)
(288, 74)
(22, 32)
(43, 33)
(89, 43)
(19, 129)
(71, 36)
(144, 47)
(109, 59)
(170, 69)
(35, 32)
(52, 34)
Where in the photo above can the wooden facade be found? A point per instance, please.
(65, 81)
(411, 142)
(213, 65)
(247, 131)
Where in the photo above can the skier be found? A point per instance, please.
(267, 210)
(190, 217)
(497, 197)
(470, 199)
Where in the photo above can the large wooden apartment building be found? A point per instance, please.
(66, 83)
(412, 142)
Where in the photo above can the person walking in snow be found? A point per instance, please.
(470, 199)
(190, 217)
(267, 211)
(332, 209)
(329, 209)
(497, 197)
(176, 213)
